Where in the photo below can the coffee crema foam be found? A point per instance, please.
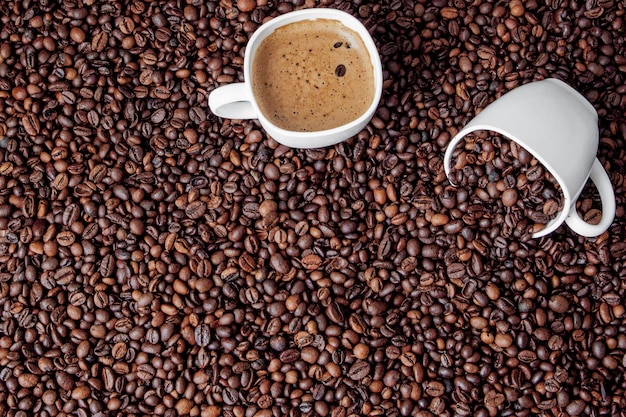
(312, 75)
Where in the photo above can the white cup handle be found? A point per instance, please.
(232, 101)
(602, 182)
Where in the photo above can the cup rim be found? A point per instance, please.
(553, 224)
(312, 14)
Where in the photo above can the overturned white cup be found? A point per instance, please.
(559, 127)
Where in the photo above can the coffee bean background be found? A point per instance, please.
(157, 260)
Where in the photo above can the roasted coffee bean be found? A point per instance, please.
(99, 41)
(31, 124)
(359, 370)
(196, 209)
(340, 70)
(435, 389)
(289, 356)
(145, 372)
(202, 335)
(71, 214)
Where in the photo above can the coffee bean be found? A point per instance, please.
(197, 115)
(575, 408)
(145, 372)
(279, 263)
(303, 339)
(311, 261)
(127, 25)
(107, 266)
(71, 214)
(359, 370)
(31, 124)
(434, 389)
(66, 238)
(27, 380)
(289, 356)
(455, 270)
(340, 70)
(202, 335)
(196, 209)
(335, 313)
(559, 304)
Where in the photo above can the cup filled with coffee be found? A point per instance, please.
(557, 128)
(313, 78)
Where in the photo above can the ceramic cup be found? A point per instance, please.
(237, 101)
(559, 127)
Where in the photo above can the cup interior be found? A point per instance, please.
(312, 14)
(481, 158)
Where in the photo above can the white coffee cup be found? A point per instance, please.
(559, 127)
(237, 101)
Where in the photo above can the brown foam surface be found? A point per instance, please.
(313, 75)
